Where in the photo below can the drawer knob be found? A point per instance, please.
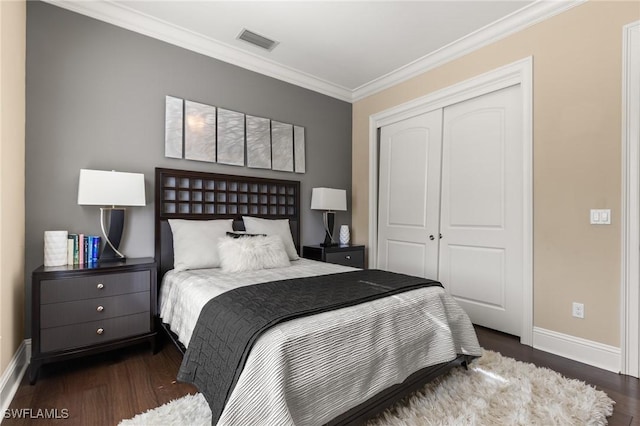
(100, 331)
(100, 286)
(100, 308)
(348, 257)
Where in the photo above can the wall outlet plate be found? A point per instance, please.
(578, 310)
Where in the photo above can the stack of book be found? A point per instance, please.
(82, 249)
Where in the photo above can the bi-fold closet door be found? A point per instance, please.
(450, 203)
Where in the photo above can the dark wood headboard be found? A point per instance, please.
(186, 194)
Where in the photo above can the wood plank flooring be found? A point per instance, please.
(104, 389)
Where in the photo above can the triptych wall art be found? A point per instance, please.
(196, 131)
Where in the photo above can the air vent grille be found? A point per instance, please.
(257, 39)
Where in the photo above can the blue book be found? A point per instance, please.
(89, 249)
(95, 254)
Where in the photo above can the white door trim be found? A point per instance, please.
(630, 217)
(519, 72)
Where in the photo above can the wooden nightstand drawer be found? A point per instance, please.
(81, 311)
(80, 288)
(353, 258)
(94, 332)
(342, 255)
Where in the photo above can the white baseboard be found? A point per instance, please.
(578, 349)
(12, 376)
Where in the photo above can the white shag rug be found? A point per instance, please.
(496, 390)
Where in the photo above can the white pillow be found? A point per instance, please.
(195, 242)
(252, 253)
(280, 227)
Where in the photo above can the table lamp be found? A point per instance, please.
(111, 188)
(329, 200)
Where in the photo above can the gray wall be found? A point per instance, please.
(95, 99)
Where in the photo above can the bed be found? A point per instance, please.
(338, 366)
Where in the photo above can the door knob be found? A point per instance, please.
(431, 237)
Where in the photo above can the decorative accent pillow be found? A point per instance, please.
(280, 227)
(195, 242)
(250, 254)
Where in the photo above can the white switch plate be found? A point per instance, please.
(600, 216)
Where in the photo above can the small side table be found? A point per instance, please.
(80, 309)
(342, 255)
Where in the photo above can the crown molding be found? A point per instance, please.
(517, 21)
(130, 19)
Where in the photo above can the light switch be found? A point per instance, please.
(600, 216)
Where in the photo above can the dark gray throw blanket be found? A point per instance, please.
(230, 323)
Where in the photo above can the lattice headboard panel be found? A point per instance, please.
(185, 194)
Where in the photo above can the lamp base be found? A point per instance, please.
(110, 251)
(328, 219)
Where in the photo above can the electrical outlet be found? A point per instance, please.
(578, 310)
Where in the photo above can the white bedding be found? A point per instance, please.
(310, 370)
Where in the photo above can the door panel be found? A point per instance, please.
(481, 208)
(406, 257)
(409, 195)
(407, 179)
(476, 170)
(467, 266)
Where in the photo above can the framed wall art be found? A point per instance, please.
(173, 127)
(199, 132)
(230, 137)
(258, 142)
(281, 146)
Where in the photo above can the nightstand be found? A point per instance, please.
(81, 310)
(342, 255)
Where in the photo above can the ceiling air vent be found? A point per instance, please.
(257, 39)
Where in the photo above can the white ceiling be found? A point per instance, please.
(346, 49)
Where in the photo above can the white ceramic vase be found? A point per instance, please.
(55, 248)
(344, 235)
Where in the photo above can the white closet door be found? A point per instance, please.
(481, 261)
(409, 195)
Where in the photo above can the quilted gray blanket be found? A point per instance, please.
(230, 323)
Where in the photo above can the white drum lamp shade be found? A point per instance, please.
(330, 200)
(111, 188)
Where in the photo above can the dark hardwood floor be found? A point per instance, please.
(106, 388)
(103, 389)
